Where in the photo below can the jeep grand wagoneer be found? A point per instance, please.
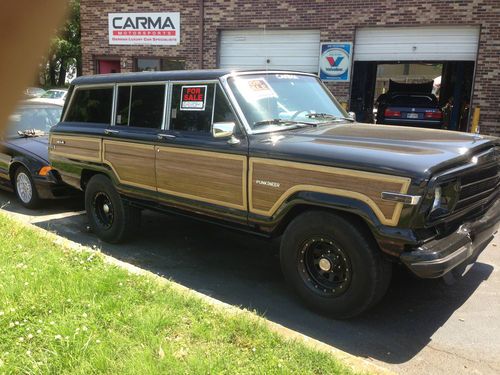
(273, 153)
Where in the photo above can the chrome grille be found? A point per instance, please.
(478, 185)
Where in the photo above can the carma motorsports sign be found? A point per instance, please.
(335, 62)
(144, 28)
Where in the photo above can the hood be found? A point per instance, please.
(38, 146)
(396, 150)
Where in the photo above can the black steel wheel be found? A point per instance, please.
(110, 218)
(325, 267)
(333, 263)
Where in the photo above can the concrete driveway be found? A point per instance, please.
(421, 326)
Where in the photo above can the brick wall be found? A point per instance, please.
(336, 20)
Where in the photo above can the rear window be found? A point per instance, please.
(91, 105)
(413, 101)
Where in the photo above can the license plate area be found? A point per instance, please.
(412, 115)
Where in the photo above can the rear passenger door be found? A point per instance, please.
(129, 147)
(195, 170)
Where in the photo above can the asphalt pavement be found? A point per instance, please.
(421, 326)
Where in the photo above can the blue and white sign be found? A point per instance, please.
(335, 62)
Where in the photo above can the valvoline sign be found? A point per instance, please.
(335, 62)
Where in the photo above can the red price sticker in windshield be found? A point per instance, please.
(193, 98)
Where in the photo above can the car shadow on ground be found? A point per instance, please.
(8, 202)
(244, 271)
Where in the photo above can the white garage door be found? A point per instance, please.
(433, 43)
(271, 49)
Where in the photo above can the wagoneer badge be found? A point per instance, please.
(268, 183)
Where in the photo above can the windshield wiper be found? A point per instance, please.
(328, 116)
(278, 121)
(31, 133)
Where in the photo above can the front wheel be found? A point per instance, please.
(333, 264)
(109, 217)
(25, 188)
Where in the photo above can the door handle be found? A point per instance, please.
(111, 131)
(165, 136)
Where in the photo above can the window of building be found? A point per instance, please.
(140, 106)
(91, 105)
(152, 64)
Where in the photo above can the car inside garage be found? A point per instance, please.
(428, 67)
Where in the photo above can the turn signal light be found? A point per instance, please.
(391, 113)
(434, 115)
(45, 170)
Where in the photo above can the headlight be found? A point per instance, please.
(438, 194)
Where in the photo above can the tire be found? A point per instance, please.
(110, 218)
(25, 188)
(333, 264)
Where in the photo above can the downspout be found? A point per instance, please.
(202, 30)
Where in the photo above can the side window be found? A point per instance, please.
(192, 107)
(222, 111)
(91, 105)
(140, 106)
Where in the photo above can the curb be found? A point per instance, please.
(357, 364)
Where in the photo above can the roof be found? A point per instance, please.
(171, 75)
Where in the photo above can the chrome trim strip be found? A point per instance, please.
(411, 200)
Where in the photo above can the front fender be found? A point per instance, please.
(391, 239)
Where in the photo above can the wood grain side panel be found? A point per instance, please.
(133, 164)
(294, 177)
(76, 147)
(206, 176)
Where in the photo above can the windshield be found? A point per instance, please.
(271, 101)
(53, 94)
(40, 118)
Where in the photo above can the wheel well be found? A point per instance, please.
(87, 174)
(12, 170)
(301, 208)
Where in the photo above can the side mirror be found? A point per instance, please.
(352, 115)
(223, 129)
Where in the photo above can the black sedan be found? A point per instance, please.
(24, 166)
(409, 109)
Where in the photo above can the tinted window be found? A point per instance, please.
(192, 106)
(155, 64)
(222, 111)
(140, 106)
(91, 105)
(413, 100)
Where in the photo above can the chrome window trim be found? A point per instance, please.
(131, 84)
(190, 82)
(96, 86)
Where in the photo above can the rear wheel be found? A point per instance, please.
(25, 188)
(110, 218)
(333, 264)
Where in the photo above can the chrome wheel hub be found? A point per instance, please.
(24, 188)
(324, 264)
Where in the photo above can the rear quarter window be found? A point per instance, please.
(91, 105)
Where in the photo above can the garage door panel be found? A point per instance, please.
(285, 49)
(444, 43)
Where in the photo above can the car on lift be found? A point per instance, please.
(24, 166)
(272, 153)
(409, 109)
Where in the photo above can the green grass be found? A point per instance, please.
(65, 312)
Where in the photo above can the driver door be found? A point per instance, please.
(194, 169)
